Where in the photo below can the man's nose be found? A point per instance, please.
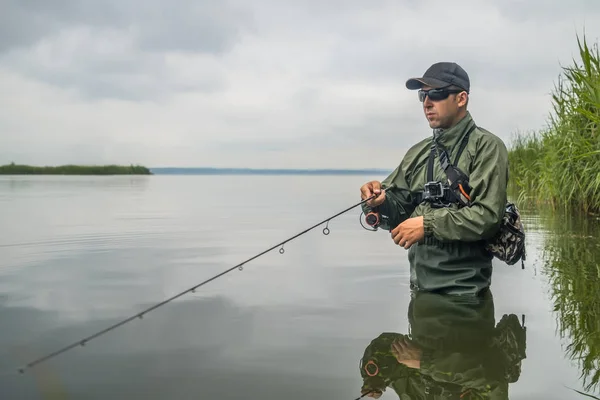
(427, 103)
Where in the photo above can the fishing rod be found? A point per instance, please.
(364, 394)
(239, 266)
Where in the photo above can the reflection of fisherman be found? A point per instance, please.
(454, 351)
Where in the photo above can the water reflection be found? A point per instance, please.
(454, 349)
(571, 254)
(197, 349)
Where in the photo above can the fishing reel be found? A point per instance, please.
(374, 219)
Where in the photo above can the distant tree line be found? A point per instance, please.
(19, 169)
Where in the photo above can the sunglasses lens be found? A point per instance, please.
(434, 94)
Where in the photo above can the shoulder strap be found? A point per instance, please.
(430, 164)
(463, 143)
(444, 158)
(459, 182)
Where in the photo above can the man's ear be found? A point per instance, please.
(463, 99)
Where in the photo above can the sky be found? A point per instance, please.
(267, 84)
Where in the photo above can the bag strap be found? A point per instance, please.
(430, 164)
(444, 157)
(463, 144)
(460, 183)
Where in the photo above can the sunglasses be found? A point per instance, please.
(437, 94)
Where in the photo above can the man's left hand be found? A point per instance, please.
(409, 232)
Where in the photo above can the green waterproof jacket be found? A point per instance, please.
(452, 257)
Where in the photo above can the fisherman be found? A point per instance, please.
(444, 228)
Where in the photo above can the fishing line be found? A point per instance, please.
(239, 266)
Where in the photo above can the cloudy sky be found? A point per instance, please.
(266, 83)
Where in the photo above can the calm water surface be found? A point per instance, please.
(81, 253)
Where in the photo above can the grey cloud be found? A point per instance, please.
(123, 75)
(550, 11)
(270, 77)
(24, 22)
(208, 26)
(115, 49)
(374, 130)
(373, 59)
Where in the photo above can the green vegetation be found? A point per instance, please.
(560, 165)
(557, 172)
(570, 255)
(16, 169)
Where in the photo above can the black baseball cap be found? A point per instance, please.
(440, 75)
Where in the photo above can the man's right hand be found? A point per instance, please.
(375, 394)
(369, 189)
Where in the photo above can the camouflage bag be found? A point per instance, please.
(509, 243)
(510, 340)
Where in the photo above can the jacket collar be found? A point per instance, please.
(448, 138)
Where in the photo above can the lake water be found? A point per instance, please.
(82, 253)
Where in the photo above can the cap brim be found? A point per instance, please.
(418, 83)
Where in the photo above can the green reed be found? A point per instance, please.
(571, 252)
(560, 165)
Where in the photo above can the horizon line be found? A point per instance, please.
(275, 168)
(248, 170)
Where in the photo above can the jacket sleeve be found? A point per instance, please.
(398, 204)
(488, 181)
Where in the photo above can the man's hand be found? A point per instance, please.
(409, 232)
(369, 189)
(406, 353)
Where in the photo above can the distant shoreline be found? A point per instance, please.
(69, 169)
(262, 171)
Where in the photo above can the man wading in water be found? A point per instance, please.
(445, 229)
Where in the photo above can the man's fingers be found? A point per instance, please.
(399, 237)
(369, 189)
(399, 346)
(365, 192)
(377, 200)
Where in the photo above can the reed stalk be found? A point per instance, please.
(560, 165)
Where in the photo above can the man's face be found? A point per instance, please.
(443, 113)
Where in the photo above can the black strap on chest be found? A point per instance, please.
(445, 158)
(459, 183)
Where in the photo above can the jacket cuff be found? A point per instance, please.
(428, 224)
(426, 361)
